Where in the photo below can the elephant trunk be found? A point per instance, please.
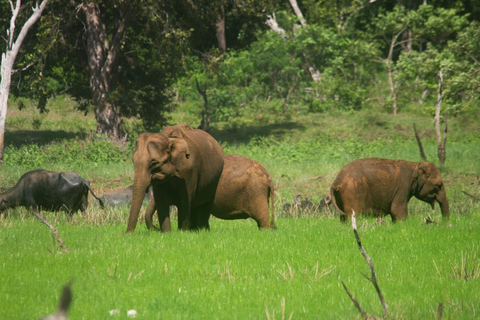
(443, 201)
(149, 214)
(138, 195)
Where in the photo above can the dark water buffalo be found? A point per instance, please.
(52, 191)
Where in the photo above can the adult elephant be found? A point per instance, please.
(384, 186)
(183, 165)
(245, 190)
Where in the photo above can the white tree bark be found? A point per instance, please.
(273, 24)
(316, 76)
(298, 12)
(441, 141)
(9, 56)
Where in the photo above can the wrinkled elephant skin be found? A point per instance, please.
(245, 190)
(183, 166)
(383, 186)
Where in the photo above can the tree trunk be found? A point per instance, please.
(419, 142)
(103, 65)
(220, 25)
(298, 12)
(205, 124)
(7, 65)
(441, 141)
(8, 59)
(393, 92)
(388, 62)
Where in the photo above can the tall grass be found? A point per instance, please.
(235, 271)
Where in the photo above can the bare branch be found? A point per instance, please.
(298, 12)
(28, 66)
(373, 279)
(355, 302)
(273, 24)
(37, 12)
(439, 311)
(419, 142)
(54, 231)
(445, 129)
(471, 196)
(440, 142)
(205, 123)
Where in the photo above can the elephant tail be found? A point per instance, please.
(336, 199)
(271, 196)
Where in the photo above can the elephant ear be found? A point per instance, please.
(424, 169)
(178, 149)
(421, 174)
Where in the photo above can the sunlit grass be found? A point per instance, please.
(236, 271)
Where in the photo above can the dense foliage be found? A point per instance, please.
(264, 76)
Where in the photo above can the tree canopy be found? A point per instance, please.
(143, 58)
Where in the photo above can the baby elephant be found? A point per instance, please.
(42, 189)
(245, 190)
(383, 186)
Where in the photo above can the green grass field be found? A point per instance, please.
(235, 271)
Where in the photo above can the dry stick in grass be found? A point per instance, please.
(471, 196)
(373, 279)
(420, 146)
(54, 231)
(355, 302)
(439, 311)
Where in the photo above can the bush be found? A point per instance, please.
(71, 153)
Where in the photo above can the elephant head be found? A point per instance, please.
(157, 159)
(430, 187)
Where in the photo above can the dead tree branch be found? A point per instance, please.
(355, 302)
(205, 123)
(420, 146)
(471, 196)
(441, 142)
(372, 279)
(54, 231)
(439, 311)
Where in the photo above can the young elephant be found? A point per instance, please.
(245, 190)
(383, 186)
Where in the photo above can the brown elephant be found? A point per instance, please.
(183, 165)
(245, 190)
(383, 186)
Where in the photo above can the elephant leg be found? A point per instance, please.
(399, 211)
(260, 213)
(163, 213)
(184, 216)
(161, 203)
(201, 215)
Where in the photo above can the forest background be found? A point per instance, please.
(230, 64)
(303, 87)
